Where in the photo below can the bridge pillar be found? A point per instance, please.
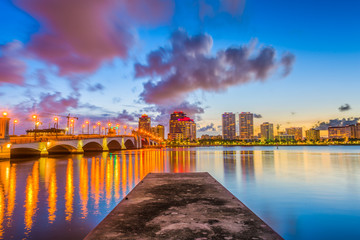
(104, 145)
(123, 147)
(5, 149)
(79, 148)
(43, 149)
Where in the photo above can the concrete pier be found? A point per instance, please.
(181, 206)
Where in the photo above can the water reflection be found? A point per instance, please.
(56, 198)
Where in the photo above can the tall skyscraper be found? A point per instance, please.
(181, 127)
(267, 131)
(312, 135)
(228, 126)
(296, 132)
(158, 131)
(145, 123)
(246, 125)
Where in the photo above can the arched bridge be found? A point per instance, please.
(78, 145)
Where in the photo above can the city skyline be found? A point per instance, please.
(128, 76)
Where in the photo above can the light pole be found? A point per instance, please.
(88, 125)
(34, 117)
(103, 130)
(82, 130)
(72, 125)
(118, 129)
(99, 124)
(109, 124)
(15, 122)
(56, 119)
(125, 129)
(94, 129)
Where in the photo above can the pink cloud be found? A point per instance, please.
(12, 69)
(78, 36)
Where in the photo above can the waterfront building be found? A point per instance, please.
(296, 132)
(228, 126)
(158, 131)
(145, 123)
(342, 132)
(312, 135)
(246, 125)
(267, 131)
(4, 127)
(285, 137)
(357, 134)
(181, 127)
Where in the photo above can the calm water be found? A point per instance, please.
(301, 192)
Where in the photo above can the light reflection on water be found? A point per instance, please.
(302, 192)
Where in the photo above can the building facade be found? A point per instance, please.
(158, 131)
(246, 125)
(145, 123)
(181, 127)
(228, 126)
(312, 135)
(343, 132)
(267, 131)
(4, 128)
(296, 132)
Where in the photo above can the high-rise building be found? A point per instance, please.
(181, 127)
(296, 132)
(312, 135)
(228, 126)
(246, 125)
(267, 131)
(158, 131)
(145, 123)
(344, 132)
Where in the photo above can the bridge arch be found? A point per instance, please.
(114, 145)
(24, 152)
(144, 142)
(61, 148)
(92, 147)
(129, 144)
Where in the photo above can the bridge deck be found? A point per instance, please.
(181, 206)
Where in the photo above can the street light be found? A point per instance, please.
(99, 123)
(103, 130)
(4, 114)
(15, 122)
(35, 118)
(56, 119)
(82, 130)
(125, 129)
(118, 129)
(88, 124)
(72, 125)
(94, 129)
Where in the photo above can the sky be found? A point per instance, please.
(293, 63)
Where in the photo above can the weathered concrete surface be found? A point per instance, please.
(181, 206)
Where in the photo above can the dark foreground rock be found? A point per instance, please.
(181, 206)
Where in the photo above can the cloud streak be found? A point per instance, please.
(187, 65)
(207, 128)
(344, 108)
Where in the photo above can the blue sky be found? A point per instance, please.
(323, 36)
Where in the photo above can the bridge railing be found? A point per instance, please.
(22, 140)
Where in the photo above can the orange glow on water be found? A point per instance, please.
(31, 197)
(84, 187)
(69, 191)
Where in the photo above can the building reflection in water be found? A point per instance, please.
(40, 195)
(247, 165)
